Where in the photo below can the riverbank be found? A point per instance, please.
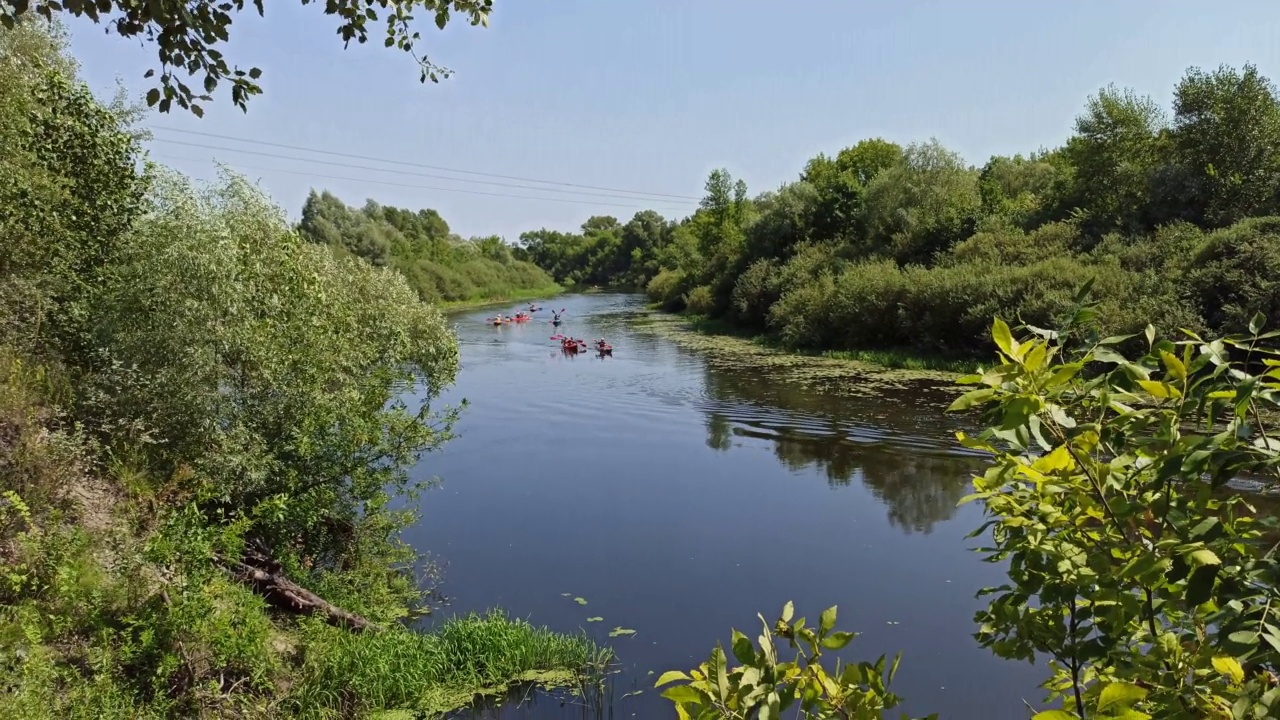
(549, 291)
(867, 360)
(836, 373)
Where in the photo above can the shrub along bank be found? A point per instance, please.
(204, 436)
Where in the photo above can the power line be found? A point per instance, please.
(404, 172)
(403, 185)
(423, 165)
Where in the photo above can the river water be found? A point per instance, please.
(679, 496)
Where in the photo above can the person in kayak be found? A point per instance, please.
(555, 317)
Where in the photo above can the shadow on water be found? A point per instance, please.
(679, 492)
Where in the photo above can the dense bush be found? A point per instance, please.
(1237, 272)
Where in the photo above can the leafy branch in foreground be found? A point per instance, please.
(187, 35)
(763, 687)
(1149, 582)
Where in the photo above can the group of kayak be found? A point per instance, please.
(568, 344)
(523, 317)
(574, 346)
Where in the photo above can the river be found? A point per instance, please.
(679, 495)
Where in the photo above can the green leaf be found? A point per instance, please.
(1062, 374)
(1004, 339)
(620, 631)
(972, 398)
(1054, 715)
(1200, 585)
(153, 97)
(827, 621)
(685, 694)
(595, 619)
(788, 611)
(1128, 714)
(837, 640)
(1150, 332)
(1204, 556)
(1203, 527)
(1120, 693)
(580, 601)
(1156, 389)
(1257, 322)
(1229, 666)
(1107, 355)
(743, 650)
(1173, 365)
(1059, 459)
(671, 676)
(1244, 637)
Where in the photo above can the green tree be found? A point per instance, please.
(841, 182)
(188, 36)
(1114, 153)
(1019, 190)
(923, 205)
(69, 186)
(1227, 135)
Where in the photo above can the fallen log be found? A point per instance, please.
(267, 578)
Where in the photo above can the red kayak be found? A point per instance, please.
(604, 348)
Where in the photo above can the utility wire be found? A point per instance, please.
(403, 185)
(422, 165)
(405, 172)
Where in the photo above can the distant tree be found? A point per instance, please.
(1018, 189)
(189, 33)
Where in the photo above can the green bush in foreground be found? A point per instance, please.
(1146, 582)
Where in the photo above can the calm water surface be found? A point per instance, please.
(680, 496)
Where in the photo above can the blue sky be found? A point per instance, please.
(653, 95)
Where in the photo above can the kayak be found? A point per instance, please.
(556, 323)
(604, 349)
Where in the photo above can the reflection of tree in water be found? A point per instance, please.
(719, 432)
(918, 487)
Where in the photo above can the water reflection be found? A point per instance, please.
(919, 486)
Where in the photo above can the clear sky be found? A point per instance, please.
(651, 95)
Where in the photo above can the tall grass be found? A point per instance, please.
(435, 671)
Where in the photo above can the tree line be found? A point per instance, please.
(438, 264)
(884, 246)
